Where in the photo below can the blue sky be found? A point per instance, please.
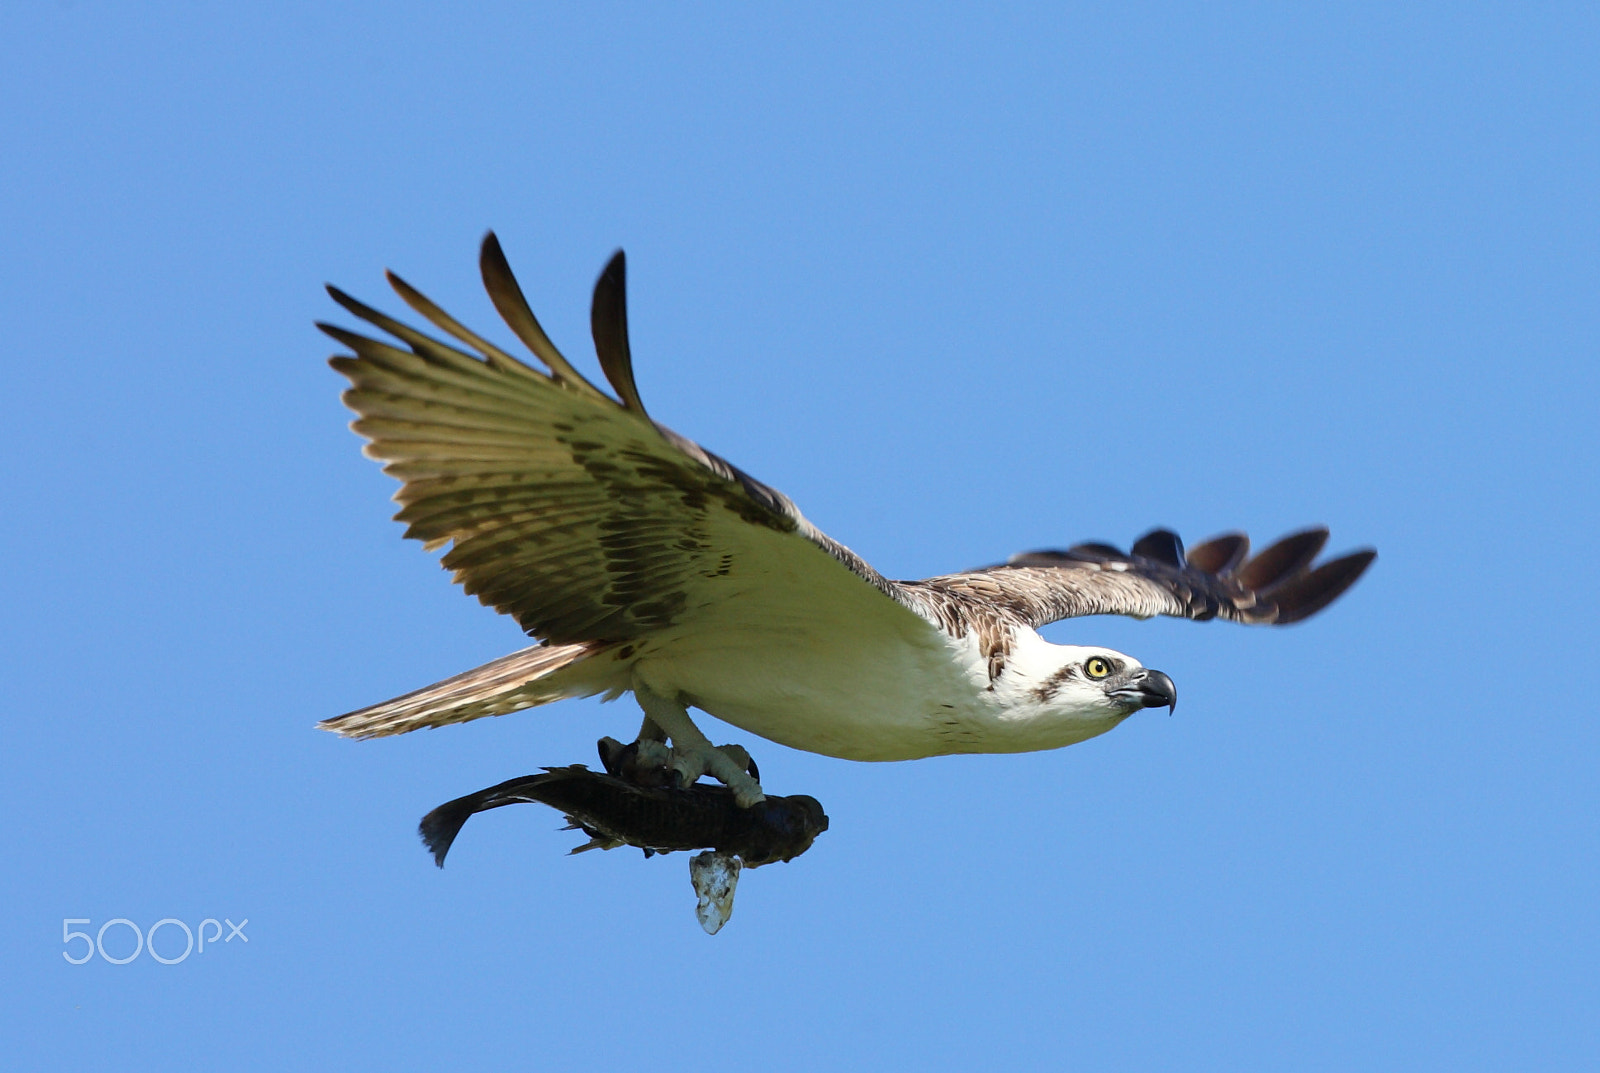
(961, 282)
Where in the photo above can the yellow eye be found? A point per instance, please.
(1096, 667)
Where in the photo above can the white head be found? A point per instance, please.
(1072, 692)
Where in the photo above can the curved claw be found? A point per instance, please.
(648, 762)
(692, 755)
(727, 764)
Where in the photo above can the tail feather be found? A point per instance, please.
(521, 680)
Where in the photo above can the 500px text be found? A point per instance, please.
(146, 941)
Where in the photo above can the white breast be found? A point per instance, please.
(890, 687)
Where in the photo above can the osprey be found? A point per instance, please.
(642, 562)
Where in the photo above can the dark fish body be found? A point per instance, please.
(657, 819)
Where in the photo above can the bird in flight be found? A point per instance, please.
(643, 563)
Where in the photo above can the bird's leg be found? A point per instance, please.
(692, 755)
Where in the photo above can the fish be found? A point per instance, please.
(615, 810)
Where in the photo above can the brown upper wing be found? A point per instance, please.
(1216, 579)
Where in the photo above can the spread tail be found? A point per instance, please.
(508, 684)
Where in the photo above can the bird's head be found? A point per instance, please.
(1092, 684)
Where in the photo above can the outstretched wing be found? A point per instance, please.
(1213, 580)
(572, 512)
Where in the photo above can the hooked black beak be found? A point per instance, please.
(1151, 689)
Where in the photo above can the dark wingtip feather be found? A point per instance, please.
(1162, 545)
(1301, 597)
(1276, 587)
(1078, 553)
(330, 330)
(1221, 555)
(352, 305)
(512, 305)
(489, 250)
(1037, 558)
(1283, 560)
(608, 322)
(343, 335)
(498, 278)
(1093, 549)
(1088, 552)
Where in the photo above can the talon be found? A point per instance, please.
(652, 755)
(684, 769)
(644, 762)
(749, 799)
(692, 755)
(615, 756)
(726, 764)
(741, 756)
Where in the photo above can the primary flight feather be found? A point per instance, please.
(642, 562)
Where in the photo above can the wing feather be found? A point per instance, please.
(449, 325)
(608, 322)
(1286, 559)
(1221, 554)
(573, 513)
(506, 294)
(1156, 577)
